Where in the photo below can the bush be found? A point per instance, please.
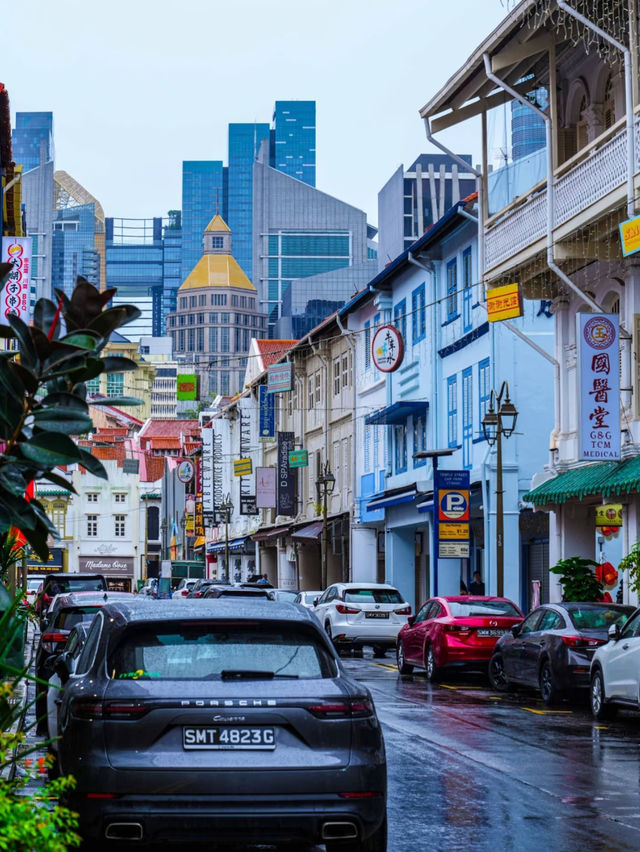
(578, 579)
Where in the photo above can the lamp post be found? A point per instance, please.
(325, 483)
(183, 525)
(227, 508)
(163, 527)
(499, 419)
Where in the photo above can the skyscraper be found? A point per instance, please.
(172, 263)
(244, 143)
(293, 142)
(78, 234)
(33, 139)
(203, 194)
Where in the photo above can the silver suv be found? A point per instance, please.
(358, 614)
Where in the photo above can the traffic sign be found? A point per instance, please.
(453, 504)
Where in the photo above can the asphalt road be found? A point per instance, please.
(473, 770)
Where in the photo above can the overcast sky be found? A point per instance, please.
(138, 86)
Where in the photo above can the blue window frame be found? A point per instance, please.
(400, 318)
(367, 449)
(418, 314)
(484, 387)
(452, 411)
(467, 417)
(419, 439)
(452, 289)
(467, 284)
(400, 448)
(367, 345)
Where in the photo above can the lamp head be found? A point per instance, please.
(508, 416)
(490, 425)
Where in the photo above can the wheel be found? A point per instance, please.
(357, 652)
(433, 672)
(497, 677)
(549, 691)
(403, 667)
(376, 842)
(600, 708)
(379, 651)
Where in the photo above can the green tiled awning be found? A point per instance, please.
(603, 479)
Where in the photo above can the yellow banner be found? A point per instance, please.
(242, 467)
(630, 236)
(609, 515)
(504, 302)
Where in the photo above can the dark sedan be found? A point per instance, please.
(553, 647)
(220, 719)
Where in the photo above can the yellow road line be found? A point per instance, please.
(449, 686)
(601, 727)
(548, 712)
(386, 666)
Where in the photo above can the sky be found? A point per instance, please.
(138, 86)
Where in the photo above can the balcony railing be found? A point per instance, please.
(600, 168)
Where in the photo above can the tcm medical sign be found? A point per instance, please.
(452, 489)
(599, 369)
(15, 294)
(504, 303)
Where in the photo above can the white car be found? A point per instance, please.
(358, 614)
(184, 587)
(615, 670)
(307, 599)
(33, 587)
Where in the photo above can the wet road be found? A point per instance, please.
(475, 770)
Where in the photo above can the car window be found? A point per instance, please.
(436, 610)
(531, 621)
(632, 627)
(204, 652)
(594, 617)
(64, 585)
(422, 612)
(551, 621)
(331, 594)
(88, 652)
(466, 609)
(379, 596)
(68, 618)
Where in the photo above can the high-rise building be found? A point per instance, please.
(172, 260)
(293, 140)
(203, 194)
(37, 197)
(78, 235)
(33, 139)
(244, 143)
(527, 128)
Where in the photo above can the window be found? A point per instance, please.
(172, 322)
(234, 301)
(119, 525)
(184, 302)
(224, 382)
(224, 340)
(115, 384)
(310, 392)
(58, 514)
(190, 319)
(336, 376)
(317, 387)
(367, 345)
(217, 242)
(224, 317)
(484, 387)
(200, 319)
(92, 497)
(200, 340)
(213, 318)
(467, 417)
(193, 301)
(400, 318)
(202, 300)
(191, 339)
(120, 497)
(419, 439)
(467, 284)
(213, 340)
(418, 314)
(452, 289)
(452, 411)
(345, 370)
(400, 447)
(181, 339)
(93, 385)
(218, 298)
(92, 526)
(182, 319)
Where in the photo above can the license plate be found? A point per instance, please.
(376, 615)
(491, 632)
(247, 739)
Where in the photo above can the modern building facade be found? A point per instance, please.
(293, 140)
(33, 139)
(244, 143)
(172, 263)
(37, 197)
(203, 194)
(78, 242)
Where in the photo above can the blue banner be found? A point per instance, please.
(267, 408)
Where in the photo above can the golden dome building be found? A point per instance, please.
(216, 317)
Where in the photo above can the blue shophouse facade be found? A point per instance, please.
(436, 400)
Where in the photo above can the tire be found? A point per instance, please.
(497, 677)
(600, 708)
(432, 670)
(403, 667)
(379, 651)
(376, 842)
(549, 691)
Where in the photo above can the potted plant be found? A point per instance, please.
(631, 564)
(578, 579)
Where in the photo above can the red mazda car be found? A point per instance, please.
(454, 631)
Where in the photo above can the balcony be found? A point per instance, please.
(598, 173)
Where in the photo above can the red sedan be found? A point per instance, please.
(454, 631)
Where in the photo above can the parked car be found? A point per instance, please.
(615, 670)
(238, 592)
(65, 582)
(307, 599)
(200, 586)
(32, 590)
(552, 649)
(71, 651)
(285, 595)
(183, 722)
(453, 632)
(184, 587)
(358, 614)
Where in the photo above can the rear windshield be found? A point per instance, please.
(63, 585)
(379, 596)
(204, 652)
(597, 618)
(462, 609)
(286, 596)
(68, 618)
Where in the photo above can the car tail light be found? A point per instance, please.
(50, 640)
(406, 610)
(368, 794)
(197, 594)
(347, 610)
(184, 592)
(353, 708)
(86, 708)
(582, 642)
(457, 628)
(101, 795)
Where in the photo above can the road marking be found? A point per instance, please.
(548, 712)
(495, 698)
(386, 666)
(601, 727)
(448, 686)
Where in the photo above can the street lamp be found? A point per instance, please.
(499, 419)
(163, 527)
(325, 483)
(227, 508)
(183, 525)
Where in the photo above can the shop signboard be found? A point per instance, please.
(267, 409)
(208, 501)
(599, 386)
(14, 298)
(266, 487)
(35, 565)
(110, 566)
(286, 481)
(279, 378)
(504, 303)
(630, 236)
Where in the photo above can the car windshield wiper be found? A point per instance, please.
(251, 674)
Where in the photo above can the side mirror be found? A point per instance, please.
(411, 620)
(516, 629)
(614, 632)
(315, 601)
(61, 668)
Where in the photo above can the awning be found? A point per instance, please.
(425, 505)
(270, 532)
(234, 544)
(310, 531)
(605, 479)
(393, 497)
(397, 413)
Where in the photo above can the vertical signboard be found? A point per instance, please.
(15, 295)
(599, 386)
(208, 502)
(286, 482)
(452, 513)
(267, 408)
(265, 487)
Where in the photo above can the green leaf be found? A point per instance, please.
(56, 479)
(8, 378)
(28, 351)
(118, 364)
(118, 400)
(7, 332)
(28, 379)
(50, 449)
(13, 479)
(83, 339)
(114, 318)
(43, 315)
(66, 400)
(62, 420)
(92, 464)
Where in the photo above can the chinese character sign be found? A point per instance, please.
(15, 295)
(599, 367)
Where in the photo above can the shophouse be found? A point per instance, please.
(559, 232)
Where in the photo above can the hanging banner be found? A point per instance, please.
(504, 303)
(242, 467)
(599, 397)
(630, 236)
(15, 294)
(208, 502)
(265, 487)
(609, 515)
(279, 378)
(286, 481)
(267, 408)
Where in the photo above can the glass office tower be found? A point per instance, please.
(203, 193)
(32, 139)
(172, 263)
(244, 144)
(293, 140)
(73, 249)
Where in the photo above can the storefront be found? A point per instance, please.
(55, 563)
(117, 570)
